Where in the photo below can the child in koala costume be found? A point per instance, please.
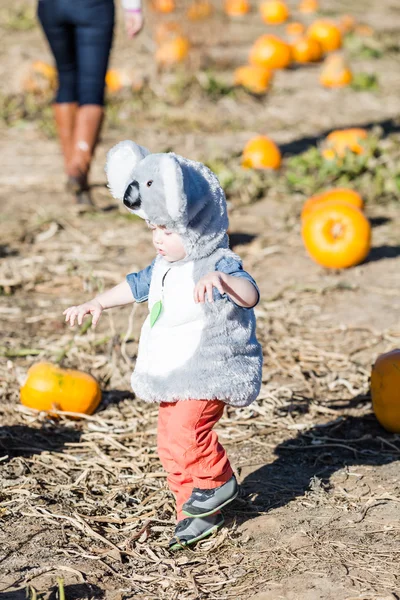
(198, 349)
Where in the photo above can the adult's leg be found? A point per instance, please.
(94, 24)
(179, 482)
(61, 39)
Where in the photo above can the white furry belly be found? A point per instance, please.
(162, 350)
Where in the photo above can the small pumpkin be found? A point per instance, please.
(163, 6)
(118, 79)
(363, 30)
(340, 141)
(342, 194)
(306, 50)
(172, 51)
(347, 24)
(199, 9)
(337, 235)
(236, 8)
(261, 153)
(335, 72)
(274, 12)
(39, 77)
(295, 29)
(167, 31)
(326, 33)
(385, 390)
(49, 387)
(308, 6)
(254, 78)
(270, 51)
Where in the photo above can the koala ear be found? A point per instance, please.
(121, 161)
(172, 177)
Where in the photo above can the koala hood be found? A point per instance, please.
(169, 190)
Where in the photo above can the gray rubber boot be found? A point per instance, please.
(203, 503)
(190, 531)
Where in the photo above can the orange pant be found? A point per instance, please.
(188, 448)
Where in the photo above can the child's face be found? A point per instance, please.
(167, 243)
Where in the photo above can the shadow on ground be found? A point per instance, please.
(21, 440)
(313, 456)
(381, 252)
(79, 591)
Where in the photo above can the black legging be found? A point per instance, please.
(80, 34)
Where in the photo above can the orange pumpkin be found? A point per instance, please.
(306, 50)
(364, 30)
(163, 6)
(337, 235)
(200, 9)
(39, 77)
(274, 12)
(117, 79)
(254, 78)
(173, 51)
(167, 31)
(341, 194)
(49, 387)
(236, 8)
(261, 153)
(347, 23)
(385, 390)
(340, 141)
(326, 33)
(270, 51)
(335, 72)
(295, 29)
(308, 6)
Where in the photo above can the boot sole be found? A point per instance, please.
(182, 545)
(214, 510)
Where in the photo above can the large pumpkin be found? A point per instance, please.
(326, 33)
(254, 78)
(385, 390)
(49, 387)
(274, 12)
(261, 153)
(337, 235)
(335, 72)
(306, 50)
(270, 51)
(342, 194)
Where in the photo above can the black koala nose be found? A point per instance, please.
(132, 198)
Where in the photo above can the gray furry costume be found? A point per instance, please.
(194, 351)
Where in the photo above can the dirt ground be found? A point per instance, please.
(86, 500)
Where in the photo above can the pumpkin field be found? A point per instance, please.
(260, 91)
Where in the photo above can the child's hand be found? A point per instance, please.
(206, 285)
(133, 22)
(93, 307)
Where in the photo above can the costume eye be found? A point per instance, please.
(149, 183)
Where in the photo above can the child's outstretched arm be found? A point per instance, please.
(119, 295)
(240, 290)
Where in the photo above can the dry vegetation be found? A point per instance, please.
(86, 500)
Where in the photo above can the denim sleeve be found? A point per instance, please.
(140, 283)
(231, 266)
